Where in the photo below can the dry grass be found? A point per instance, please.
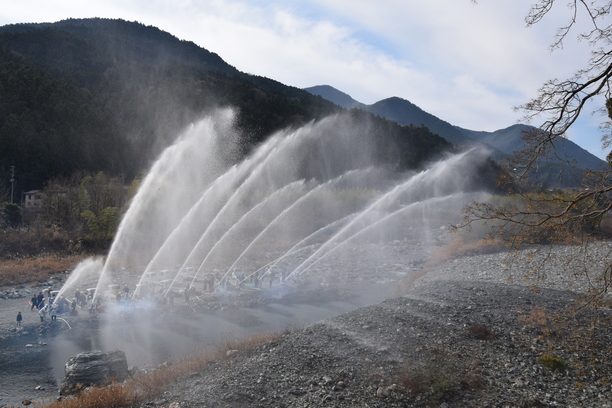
(135, 390)
(455, 248)
(403, 286)
(34, 242)
(145, 387)
(535, 318)
(113, 395)
(229, 342)
(35, 270)
(459, 246)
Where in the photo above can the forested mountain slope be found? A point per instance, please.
(109, 95)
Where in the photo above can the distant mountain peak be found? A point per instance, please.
(395, 99)
(503, 141)
(333, 95)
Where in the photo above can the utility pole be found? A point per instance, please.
(12, 182)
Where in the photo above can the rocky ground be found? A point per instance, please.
(474, 332)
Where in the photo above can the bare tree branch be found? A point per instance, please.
(565, 216)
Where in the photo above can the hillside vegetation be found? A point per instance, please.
(96, 97)
(109, 95)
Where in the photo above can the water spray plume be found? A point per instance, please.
(294, 209)
(272, 201)
(293, 202)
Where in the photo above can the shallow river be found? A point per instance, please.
(152, 336)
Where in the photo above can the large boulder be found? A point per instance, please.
(93, 368)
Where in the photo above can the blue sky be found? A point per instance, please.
(468, 64)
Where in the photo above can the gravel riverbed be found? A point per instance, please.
(469, 333)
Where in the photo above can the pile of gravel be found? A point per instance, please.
(471, 333)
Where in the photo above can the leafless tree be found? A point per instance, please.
(562, 101)
(565, 216)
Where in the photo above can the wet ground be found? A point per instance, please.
(32, 358)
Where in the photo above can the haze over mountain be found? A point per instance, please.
(396, 109)
(505, 141)
(109, 95)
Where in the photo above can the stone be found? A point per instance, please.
(117, 365)
(93, 368)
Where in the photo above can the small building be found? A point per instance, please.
(33, 199)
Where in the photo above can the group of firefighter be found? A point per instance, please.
(214, 282)
(47, 305)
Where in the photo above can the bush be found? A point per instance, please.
(11, 215)
(537, 318)
(482, 332)
(440, 377)
(553, 362)
(434, 378)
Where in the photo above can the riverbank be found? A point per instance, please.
(152, 334)
(473, 331)
(447, 344)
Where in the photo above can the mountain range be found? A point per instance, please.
(503, 142)
(89, 95)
